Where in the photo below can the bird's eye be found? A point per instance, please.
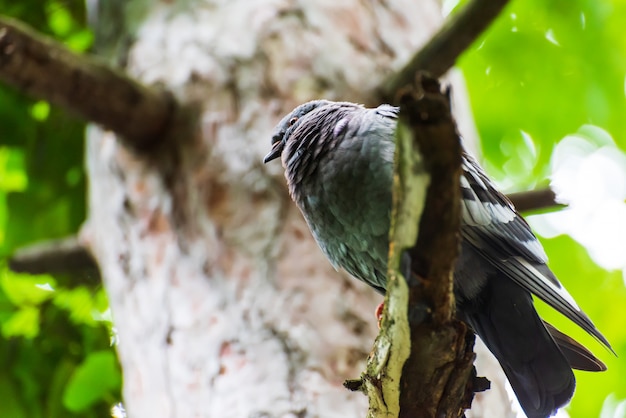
(293, 120)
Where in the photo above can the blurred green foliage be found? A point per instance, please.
(546, 68)
(542, 70)
(56, 358)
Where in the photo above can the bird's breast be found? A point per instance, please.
(347, 204)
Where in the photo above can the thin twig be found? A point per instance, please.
(43, 68)
(534, 200)
(66, 255)
(443, 49)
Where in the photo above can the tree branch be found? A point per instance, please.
(426, 111)
(441, 346)
(534, 200)
(43, 68)
(422, 364)
(443, 49)
(66, 255)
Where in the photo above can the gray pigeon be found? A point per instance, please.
(338, 160)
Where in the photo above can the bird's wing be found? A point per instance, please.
(495, 229)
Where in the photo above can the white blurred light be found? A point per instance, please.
(589, 174)
(521, 160)
(448, 6)
(45, 286)
(530, 144)
(550, 37)
(583, 20)
(613, 408)
(114, 337)
(517, 408)
(562, 413)
(118, 411)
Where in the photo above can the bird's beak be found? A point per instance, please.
(277, 149)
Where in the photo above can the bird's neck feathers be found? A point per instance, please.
(309, 142)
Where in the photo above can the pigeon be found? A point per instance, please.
(338, 159)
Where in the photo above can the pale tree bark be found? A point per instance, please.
(224, 305)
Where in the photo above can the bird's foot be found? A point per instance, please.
(379, 312)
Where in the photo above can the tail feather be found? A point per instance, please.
(578, 356)
(505, 319)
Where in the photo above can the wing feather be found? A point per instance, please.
(495, 229)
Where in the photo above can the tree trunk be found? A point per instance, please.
(224, 305)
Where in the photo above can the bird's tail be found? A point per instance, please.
(506, 320)
(578, 356)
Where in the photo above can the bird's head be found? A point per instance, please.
(287, 125)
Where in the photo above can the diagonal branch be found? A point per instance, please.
(42, 67)
(534, 200)
(66, 255)
(443, 49)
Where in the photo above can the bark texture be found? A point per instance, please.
(442, 365)
(224, 305)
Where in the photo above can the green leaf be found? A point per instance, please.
(24, 289)
(62, 374)
(80, 303)
(93, 380)
(12, 172)
(80, 41)
(23, 323)
(40, 110)
(73, 176)
(11, 406)
(59, 19)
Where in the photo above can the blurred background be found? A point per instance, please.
(547, 83)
